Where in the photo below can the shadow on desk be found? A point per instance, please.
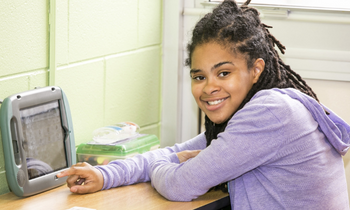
(136, 197)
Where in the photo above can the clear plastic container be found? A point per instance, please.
(99, 154)
(115, 133)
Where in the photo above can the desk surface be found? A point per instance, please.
(138, 196)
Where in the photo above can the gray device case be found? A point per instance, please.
(38, 139)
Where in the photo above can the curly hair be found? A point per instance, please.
(240, 30)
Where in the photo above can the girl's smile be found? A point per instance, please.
(216, 101)
(221, 80)
(214, 104)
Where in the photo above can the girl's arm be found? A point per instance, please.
(136, 169)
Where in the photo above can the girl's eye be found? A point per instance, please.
(225, 73)
(198, 78)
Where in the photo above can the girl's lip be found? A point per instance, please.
(216, 106)
(214, 99)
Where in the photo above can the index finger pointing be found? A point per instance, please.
(68, 172)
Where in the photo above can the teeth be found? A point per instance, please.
(215, 102)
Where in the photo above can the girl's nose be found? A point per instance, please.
(211, 87)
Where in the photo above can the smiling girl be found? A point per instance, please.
(268, 140)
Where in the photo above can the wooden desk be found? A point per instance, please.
(139, 196)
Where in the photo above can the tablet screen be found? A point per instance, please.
(43, 141)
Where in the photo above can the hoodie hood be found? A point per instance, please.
(335, 129)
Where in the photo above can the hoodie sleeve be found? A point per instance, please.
(136, 169)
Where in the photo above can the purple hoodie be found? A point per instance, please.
(280, 151)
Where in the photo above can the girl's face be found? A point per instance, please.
(221, 80)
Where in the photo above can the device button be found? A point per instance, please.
(21, 178)
(15, 144)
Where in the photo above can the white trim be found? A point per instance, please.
(171, 88)
(181, 118)
(306, 74)
(335, 5)
(286, 13)
(196, 11)
(316, 54)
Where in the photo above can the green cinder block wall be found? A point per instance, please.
(108, 60)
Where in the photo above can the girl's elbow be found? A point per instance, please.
(178, 198)
(177, 195)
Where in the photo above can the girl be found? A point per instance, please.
(268, 140)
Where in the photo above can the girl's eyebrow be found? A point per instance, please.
(193, 71)
(220, 64)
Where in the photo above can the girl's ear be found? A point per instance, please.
(258, 68)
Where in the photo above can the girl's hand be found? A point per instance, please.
(83, 178)
(187, 154)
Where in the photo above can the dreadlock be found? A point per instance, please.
(240, 30)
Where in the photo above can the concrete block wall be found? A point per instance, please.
(108, 60)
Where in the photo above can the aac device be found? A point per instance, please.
(38, 139)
